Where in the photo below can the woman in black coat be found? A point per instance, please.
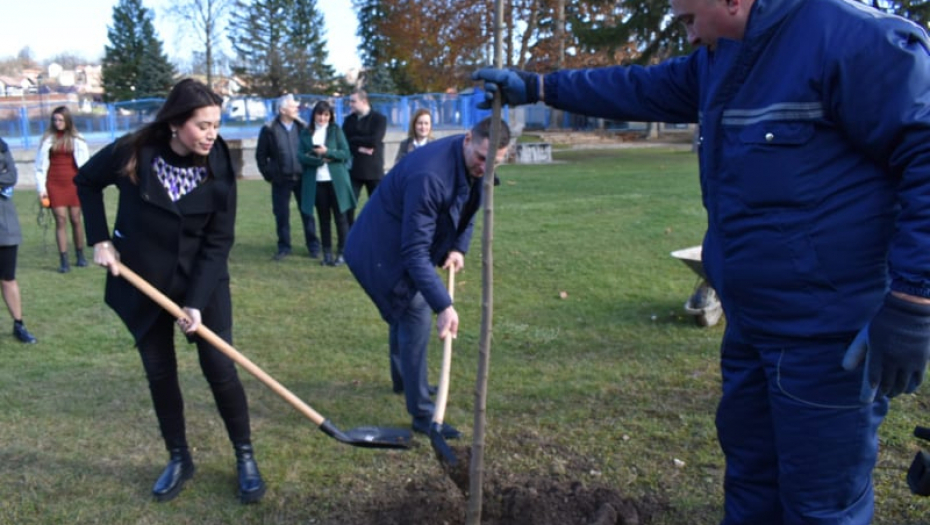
(174, 227)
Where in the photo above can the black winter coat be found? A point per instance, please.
(182, 248)
(366, 132)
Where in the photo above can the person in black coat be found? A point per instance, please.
(277, 160)
(364, 129)
(174, 227)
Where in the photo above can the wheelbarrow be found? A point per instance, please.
(703, 304)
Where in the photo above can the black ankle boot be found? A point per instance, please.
(65, 267)
(327, 258)
(251, 485)
(81, 261)
(180, 469)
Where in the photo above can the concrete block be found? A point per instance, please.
(533, 153)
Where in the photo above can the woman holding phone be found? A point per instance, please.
(323, 152)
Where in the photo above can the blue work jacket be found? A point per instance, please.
(814, 159)
(411, 223)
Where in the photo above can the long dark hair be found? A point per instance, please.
(321, 107)
(186, 97)
(69, 134)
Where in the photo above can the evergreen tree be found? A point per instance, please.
(379, 80)
(156, 73)
(306, 56)
(373, 49)
(258, 39)
(646, 30)
(279, 46)
(383, 73)
(134, 64)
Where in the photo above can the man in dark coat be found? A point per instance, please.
(364, 129)
(276, 155)
(421, 217)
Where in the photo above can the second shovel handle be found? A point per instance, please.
(442, 396)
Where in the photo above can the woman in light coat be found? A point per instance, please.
(61, 152)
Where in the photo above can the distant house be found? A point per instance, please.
(13, 86)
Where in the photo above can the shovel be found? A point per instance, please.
(443, 451)
(366, 437)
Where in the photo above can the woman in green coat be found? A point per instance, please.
(324, 152)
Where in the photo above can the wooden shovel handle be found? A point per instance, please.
(220, 344)
(443, 395)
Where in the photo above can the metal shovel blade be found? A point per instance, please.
(443, 451)
(369, 437)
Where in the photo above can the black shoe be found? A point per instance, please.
(281, 255)
(81, 261)
(327, 259)
(180, 469)
(251, 485)
(448, 431)
(20, 332)
(64, 266)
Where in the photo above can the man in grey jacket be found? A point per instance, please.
(276, 155)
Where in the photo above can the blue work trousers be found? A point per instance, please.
(799, 445)
(409, 342)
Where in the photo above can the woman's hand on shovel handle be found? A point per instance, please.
(106, 255)
(190, 323)
(447, 323)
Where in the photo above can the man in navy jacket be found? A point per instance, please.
(421, 217)
(815, 173)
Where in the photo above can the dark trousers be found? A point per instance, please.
(327, 209)
(161, 369)
(357, 184)
(281, 192)
(408, 340)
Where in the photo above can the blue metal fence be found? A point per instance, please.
(23, 122)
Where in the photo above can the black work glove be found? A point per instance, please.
(895, 346)
(517, 87)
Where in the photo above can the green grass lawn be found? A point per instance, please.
(609, 385)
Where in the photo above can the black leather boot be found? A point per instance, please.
(251, 485)
(81, 261)
(65, 266)
(180, 469)
(327, 258)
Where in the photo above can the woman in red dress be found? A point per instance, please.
(61, 153)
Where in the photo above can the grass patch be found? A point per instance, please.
(614, 374)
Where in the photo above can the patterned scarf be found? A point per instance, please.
(178, 182)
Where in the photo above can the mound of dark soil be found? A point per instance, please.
(527, 500)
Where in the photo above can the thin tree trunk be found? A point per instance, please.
(476, 468)
(557, 115)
